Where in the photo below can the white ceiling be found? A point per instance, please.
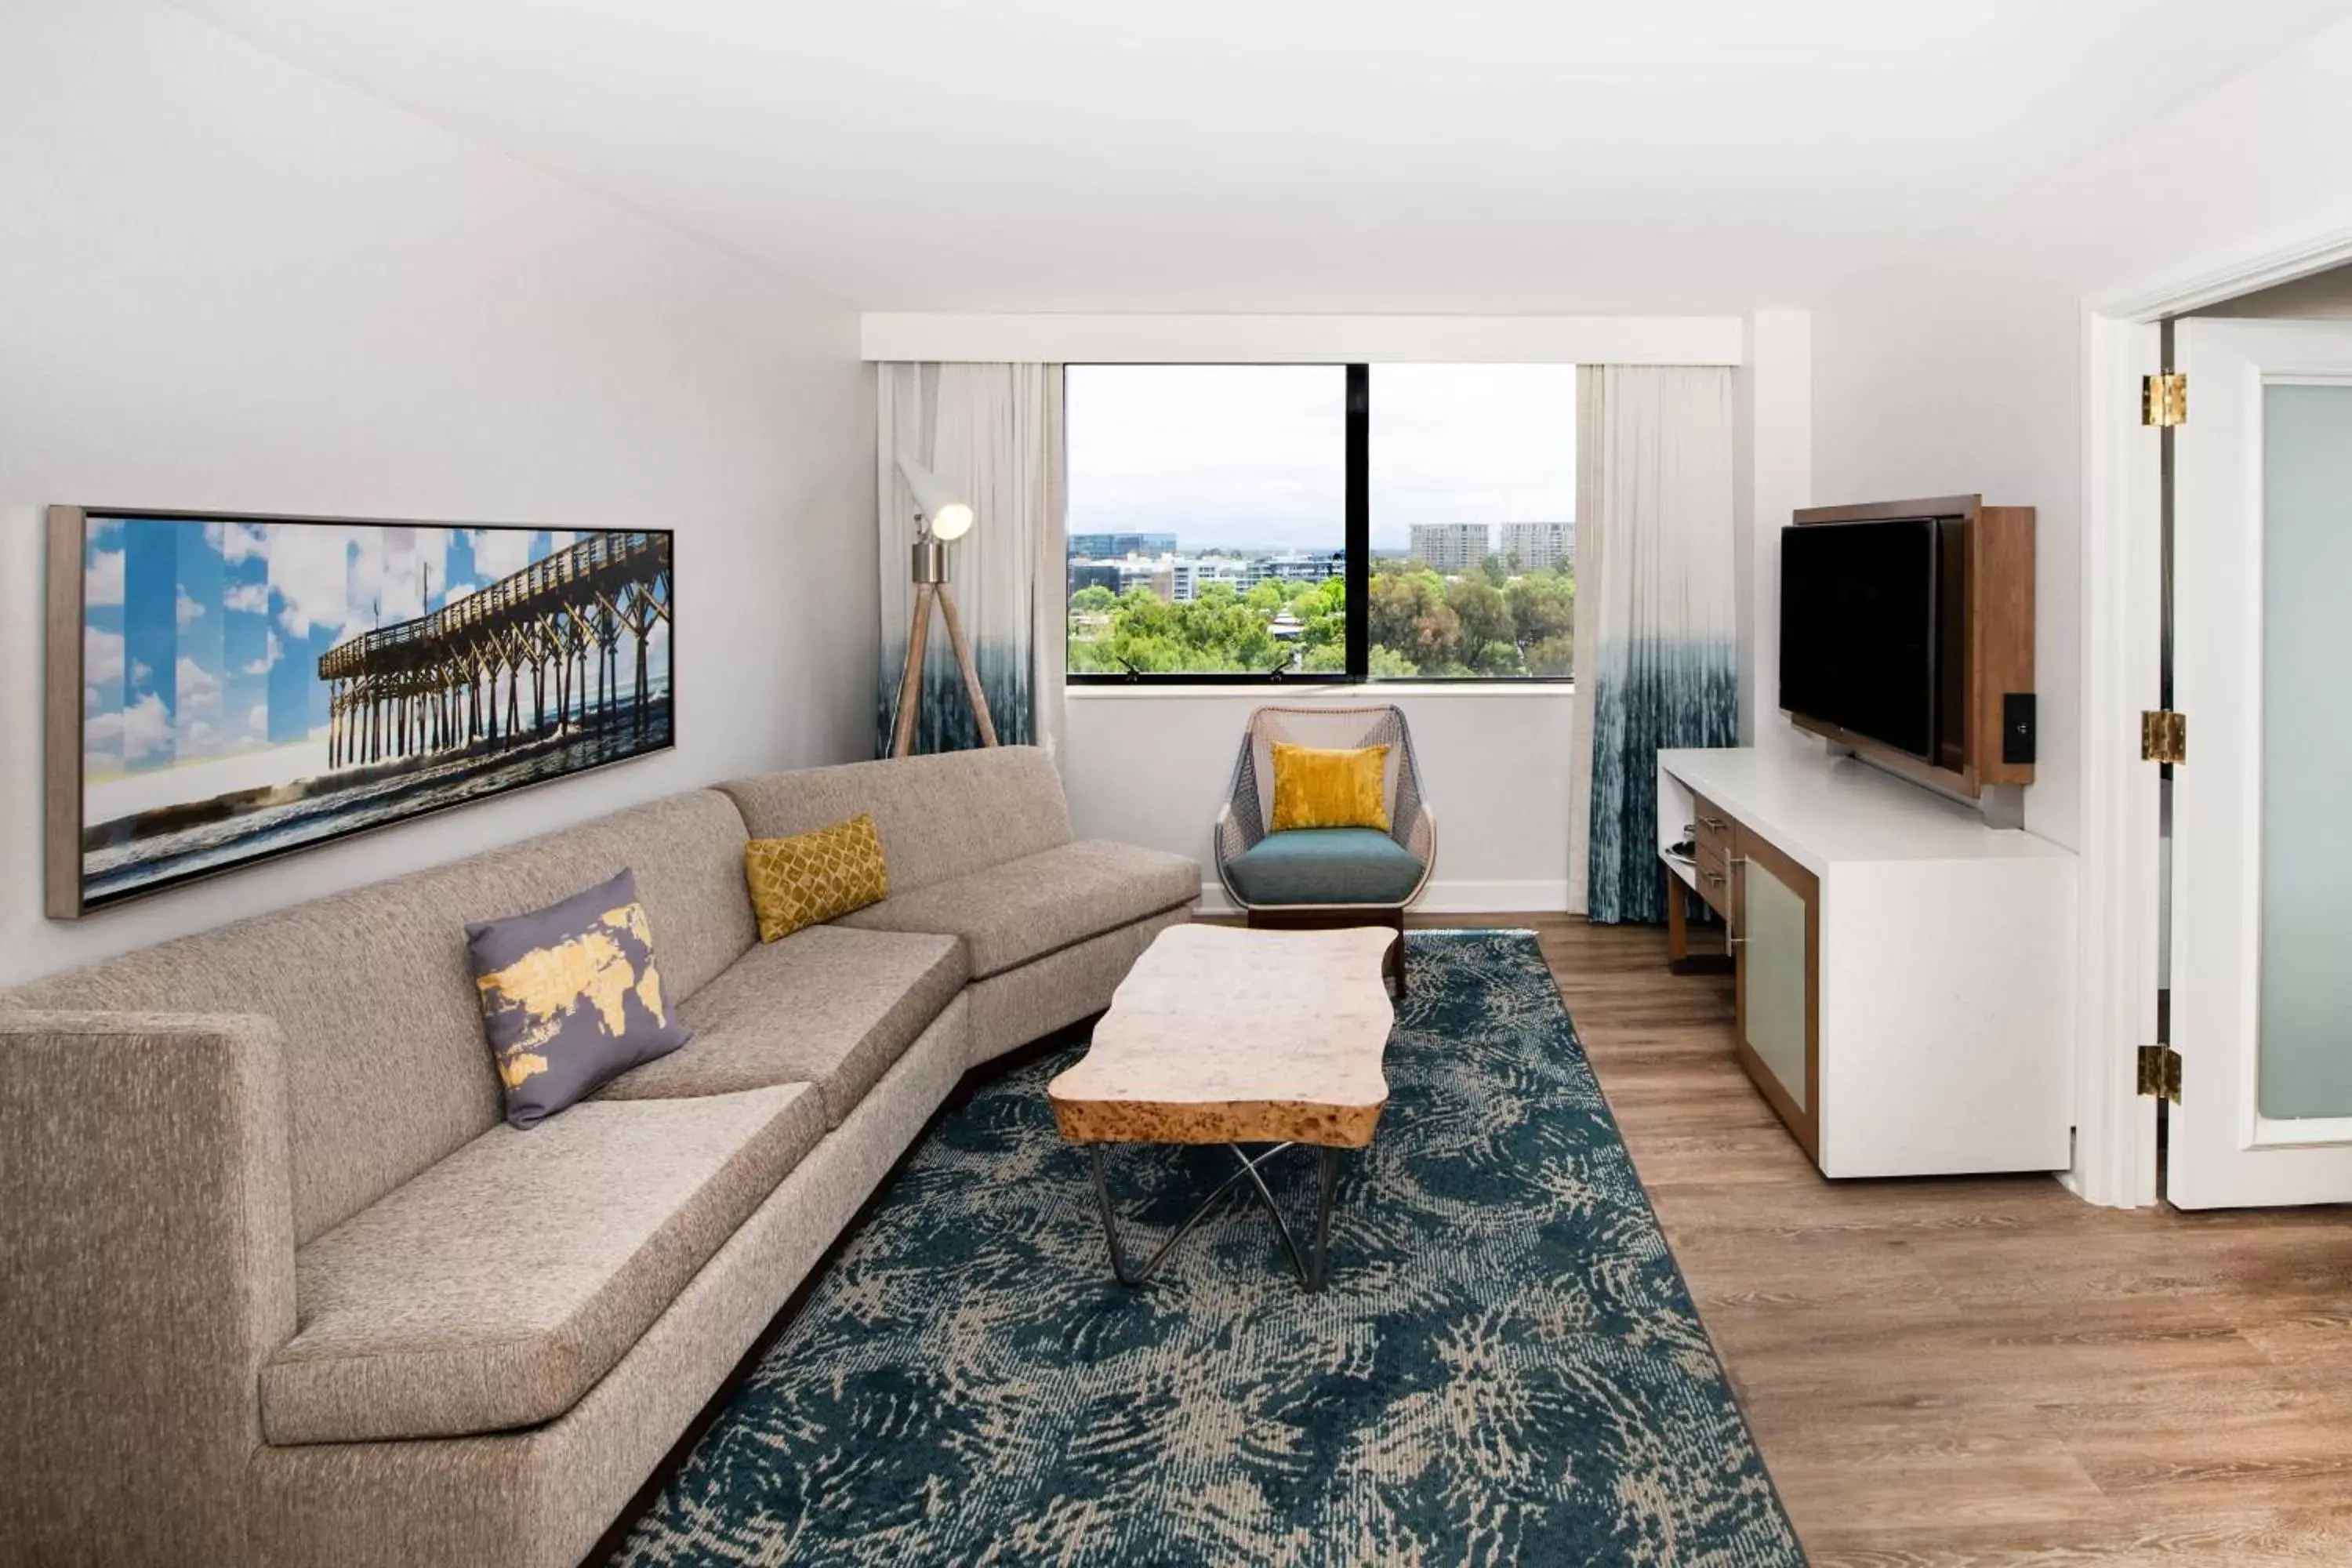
(1293, 155)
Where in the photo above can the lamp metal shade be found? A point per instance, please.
(949, 517)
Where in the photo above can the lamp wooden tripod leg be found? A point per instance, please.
(910, 684)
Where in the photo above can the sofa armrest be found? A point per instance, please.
(146, 1272)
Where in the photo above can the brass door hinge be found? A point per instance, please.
(2164, 737)
(2164, 399)
(2160, 1072)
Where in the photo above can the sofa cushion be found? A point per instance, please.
(826, 1005)
(493, 1290)
(1027, 908)
(1325, 866)
(940, 816)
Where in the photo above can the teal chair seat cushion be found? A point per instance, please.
(1325, 866)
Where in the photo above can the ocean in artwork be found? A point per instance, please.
(250, 687)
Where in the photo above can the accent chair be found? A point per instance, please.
(1320, 877)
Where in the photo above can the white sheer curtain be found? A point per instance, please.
(993, 433)
(1656, 637)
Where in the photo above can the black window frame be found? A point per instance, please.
(1357, 472)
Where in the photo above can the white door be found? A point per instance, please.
(2261, 811)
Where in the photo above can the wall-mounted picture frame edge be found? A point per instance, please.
(61, 715)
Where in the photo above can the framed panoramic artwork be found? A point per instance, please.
(224, 688)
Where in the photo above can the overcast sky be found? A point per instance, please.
(1234, 456)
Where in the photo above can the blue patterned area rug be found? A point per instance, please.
(1505, 1367)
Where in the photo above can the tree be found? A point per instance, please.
(1216, 631)
(1408, 614)
(1498, 658)
(1543, 607)
(1496, 570)
(1330, 658)
(1225, 633)
(1485, 618)
(1553, 658)
(1322, 611)
(1093, 599)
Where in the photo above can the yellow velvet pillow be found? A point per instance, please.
(814, 877)
(1316, 786)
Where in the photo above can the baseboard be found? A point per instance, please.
(1444, 897)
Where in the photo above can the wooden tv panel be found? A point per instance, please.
(1992, 649)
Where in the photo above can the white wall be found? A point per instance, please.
(1938, 380)
(229, 283)
(1773, 388)
(1154, 767)
(1961, 367)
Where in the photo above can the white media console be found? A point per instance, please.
(1905, 974)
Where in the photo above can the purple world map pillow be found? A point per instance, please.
(570, 997)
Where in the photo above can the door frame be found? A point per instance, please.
(2115, 1131)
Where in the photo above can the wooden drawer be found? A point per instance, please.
(1714, 830)
(1714, 868)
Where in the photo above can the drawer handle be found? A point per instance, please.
(1716, 823)
(1710, 876)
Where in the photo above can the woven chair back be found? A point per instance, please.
(1344, 729)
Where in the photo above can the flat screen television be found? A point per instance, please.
(1860, 610)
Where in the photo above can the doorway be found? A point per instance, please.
(2258, 492)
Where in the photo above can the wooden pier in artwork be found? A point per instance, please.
(435, 682)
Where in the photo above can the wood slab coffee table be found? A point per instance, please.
(1220, 1035)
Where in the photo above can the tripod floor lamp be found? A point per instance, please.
(939, 517)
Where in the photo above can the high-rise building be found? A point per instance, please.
(1113, 546)
(1451, 546)
(1538, 547)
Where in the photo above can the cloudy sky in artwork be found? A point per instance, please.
(201, 639)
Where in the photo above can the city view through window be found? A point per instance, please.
(1208, 510)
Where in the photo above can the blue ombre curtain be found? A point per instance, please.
(1658, 655)
(993, 433)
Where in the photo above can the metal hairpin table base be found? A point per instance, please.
(1310, 1273)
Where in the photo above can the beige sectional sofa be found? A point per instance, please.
(280, 1286)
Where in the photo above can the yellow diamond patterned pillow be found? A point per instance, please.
(811, 877)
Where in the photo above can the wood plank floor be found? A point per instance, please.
(1981, 1370)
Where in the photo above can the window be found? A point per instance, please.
(1207, 518)
(1473, 520)
(1333, 523)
